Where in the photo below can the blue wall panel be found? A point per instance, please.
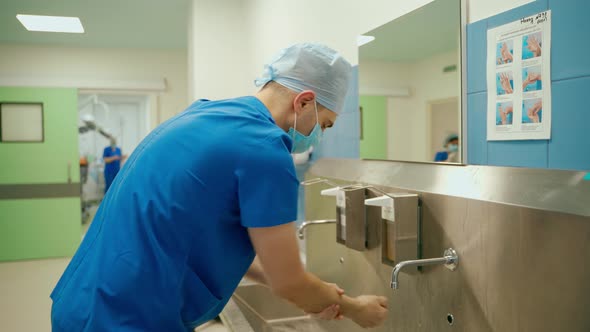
(570, 146)
(343, 140)
(518, 153)
(476, 128)
(476, 56)
(570, 53)
(517, 13)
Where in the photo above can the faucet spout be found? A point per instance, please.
(450, 260)
(313, 222)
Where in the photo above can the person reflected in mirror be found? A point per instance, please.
(451, 151)
(112, 157)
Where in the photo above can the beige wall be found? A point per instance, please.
(407, 116)
(61, 65)
(220, 50)
(230, 40)
(377, 12)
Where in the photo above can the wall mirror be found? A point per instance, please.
(411, 85)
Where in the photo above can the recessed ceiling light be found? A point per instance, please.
(51, 23)
(362, 40)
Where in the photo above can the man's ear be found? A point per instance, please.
(303, 100)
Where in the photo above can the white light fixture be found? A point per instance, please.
(362, 40)
(51, 23)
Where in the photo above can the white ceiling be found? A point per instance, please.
(159, 24)
(422, 33)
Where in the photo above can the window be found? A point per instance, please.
(21, 122)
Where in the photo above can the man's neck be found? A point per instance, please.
(277, 106)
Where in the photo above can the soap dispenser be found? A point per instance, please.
(400, 226)
(356, 224)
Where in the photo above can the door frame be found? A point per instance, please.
(429, 109)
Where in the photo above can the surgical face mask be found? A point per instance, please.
(453, 147)
(301, 142)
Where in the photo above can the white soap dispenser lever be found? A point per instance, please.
(331, 191)
(386, 204)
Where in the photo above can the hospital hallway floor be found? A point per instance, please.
(25, 286)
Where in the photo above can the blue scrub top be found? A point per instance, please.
(113, 167)
(441, 156)
(169, 243)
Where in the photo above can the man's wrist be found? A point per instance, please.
(349, 305)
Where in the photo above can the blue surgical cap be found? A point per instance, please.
(450, 138)
(311, 66)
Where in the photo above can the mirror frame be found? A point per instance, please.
(463, 44)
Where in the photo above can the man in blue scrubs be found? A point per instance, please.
(450, 154)
(112, 157)
(199, 198)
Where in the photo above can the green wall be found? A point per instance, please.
(374, 127)
(39, 228)
(45, 162)
(43, 227)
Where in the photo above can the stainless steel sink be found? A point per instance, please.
(268, 313)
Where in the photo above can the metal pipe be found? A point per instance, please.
(313, 222)
(316, 181)
(450, 260)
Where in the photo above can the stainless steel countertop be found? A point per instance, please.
(233, 319)
(544, 189)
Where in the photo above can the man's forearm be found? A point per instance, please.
(313, 295)
(109, 160)
(256, 273)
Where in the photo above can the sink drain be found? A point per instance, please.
(450, 319)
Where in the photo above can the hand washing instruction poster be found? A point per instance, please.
(519, 82)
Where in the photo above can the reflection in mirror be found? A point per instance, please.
(410, 86)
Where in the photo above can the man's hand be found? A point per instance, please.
(504, 113)
(278, 252)
(533, 77)
(505, 82)
(372, 311)
(503, 116)
(534, 46)
(330, 313)
(506, 55)
(533, 112)
(333, 311)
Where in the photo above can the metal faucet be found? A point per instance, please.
(313, 222)
(450, 260)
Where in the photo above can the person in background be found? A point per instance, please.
(208, 197)
(112, 163)
(451, 152)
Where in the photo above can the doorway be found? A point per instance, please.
(443, 115)
(100, 117)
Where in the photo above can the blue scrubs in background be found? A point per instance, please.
(441, 156)
(111, 169)
(169, 243)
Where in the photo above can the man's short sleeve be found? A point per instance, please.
(267, 186)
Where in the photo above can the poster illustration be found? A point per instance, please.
(518, 79)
